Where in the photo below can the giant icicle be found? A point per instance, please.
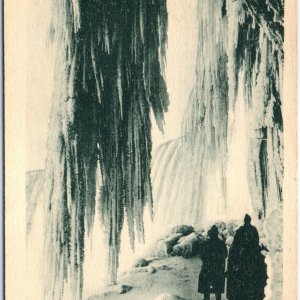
(109, 74)
(260, 60)
(240, 45)
(205, 124)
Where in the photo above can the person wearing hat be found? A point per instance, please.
(247, 234)
(247, 276)
(212, 275)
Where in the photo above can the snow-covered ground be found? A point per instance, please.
(95, 253)
(174, 275)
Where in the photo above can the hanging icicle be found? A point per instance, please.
(109, 74)
(205, 124)
(260, 59)
(240, 44)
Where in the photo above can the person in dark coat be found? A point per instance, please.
(247, 274)
(212, 275)
(247, 235)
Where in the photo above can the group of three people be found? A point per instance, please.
(246, 270)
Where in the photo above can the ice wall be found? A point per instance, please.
(230, 158)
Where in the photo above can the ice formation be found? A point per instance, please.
(109, 75)
(229, 159)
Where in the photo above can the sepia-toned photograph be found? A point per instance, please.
(151, 149)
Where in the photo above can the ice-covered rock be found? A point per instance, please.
(204, 233)
(199, 230)
(188, 246)
(227, 233)
(183, 229)
(161, 249)
(165, 246)
(229, 240)
(221, 226)
(173, 238)
(232, 224)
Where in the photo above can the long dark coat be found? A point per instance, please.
(247, 274)
(212, 275)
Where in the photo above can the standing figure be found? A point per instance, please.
(212, 275)
(247, 274)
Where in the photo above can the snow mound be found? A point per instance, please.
(141, 262)
(166, 296)
(112, 291)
